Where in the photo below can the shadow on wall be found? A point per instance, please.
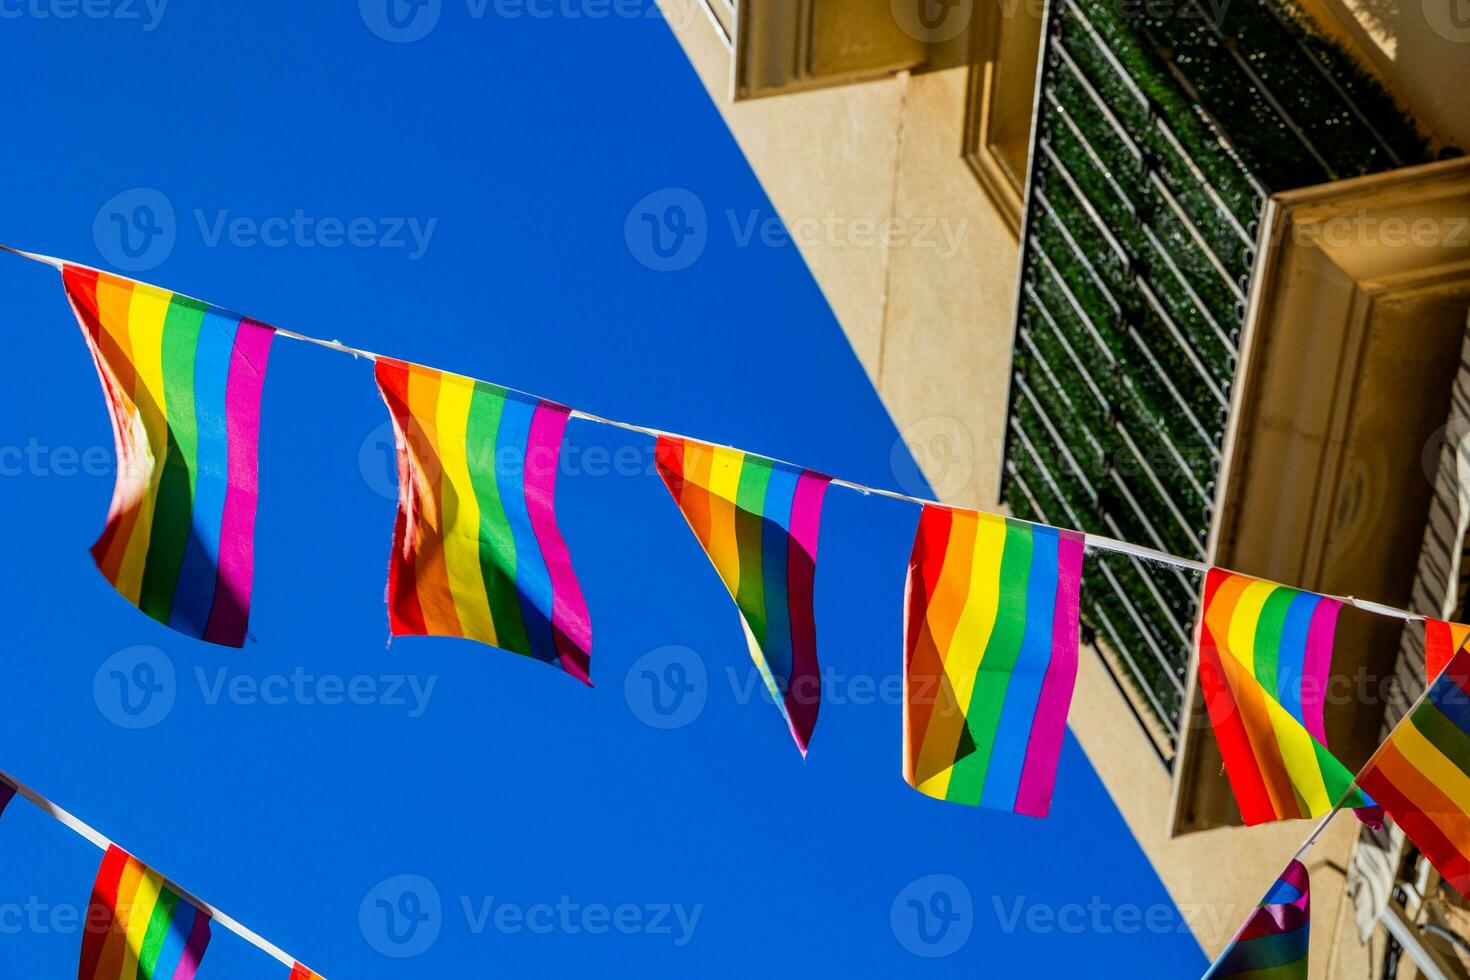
(1421, 50)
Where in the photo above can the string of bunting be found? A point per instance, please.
(127, 901)
(1095, 542)
(990, 625)
(1421, 773)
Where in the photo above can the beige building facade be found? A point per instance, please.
(912, 120)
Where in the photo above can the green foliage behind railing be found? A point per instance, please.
(1162, 127)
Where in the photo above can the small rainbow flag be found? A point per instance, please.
(137, 927)
(1272, 945)
(477, 552)
(990, 658)
(300, 972)
(183, 383)
(758, 521)
(1265, 654)
(1422, 773)
(1441, 641)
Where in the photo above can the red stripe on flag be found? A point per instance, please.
(924, 663)
(100, 911)
(405, 616)
(1246, 779)
(1427, 833)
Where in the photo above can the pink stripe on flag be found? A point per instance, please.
(1049, 724)
(194, 948)
(570, 623)
(230, 614)
(804, 686)
(1316, 665)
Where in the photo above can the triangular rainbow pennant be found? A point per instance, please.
(1265, 656)
(1422, 773)
(758, 521)
(1272, 945)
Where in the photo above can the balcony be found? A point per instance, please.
(1161, 136)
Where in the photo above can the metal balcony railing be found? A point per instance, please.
(1159, 134)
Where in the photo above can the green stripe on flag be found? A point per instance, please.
(173, 511)
(1268, 639)
(982, 719)
(750, 501)
(158, 925)
(497, 541)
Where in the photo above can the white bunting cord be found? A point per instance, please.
(1405, 720)
(1095, 542)
(101, 842)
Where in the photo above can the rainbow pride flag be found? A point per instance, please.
(183, 383)
(1421, 773)
(1441, 641)
(990, 658)
(1265, 655)
(137, 927)
(758, 521)
(300, 972)
(1272, 945)
(477, 552)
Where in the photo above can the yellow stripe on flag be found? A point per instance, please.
(461, 512)
(146, 316)
(142, 913)
(1444, 774)
(1297, 752)
(1246, 619)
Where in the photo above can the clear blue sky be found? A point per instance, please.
(560, 830)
